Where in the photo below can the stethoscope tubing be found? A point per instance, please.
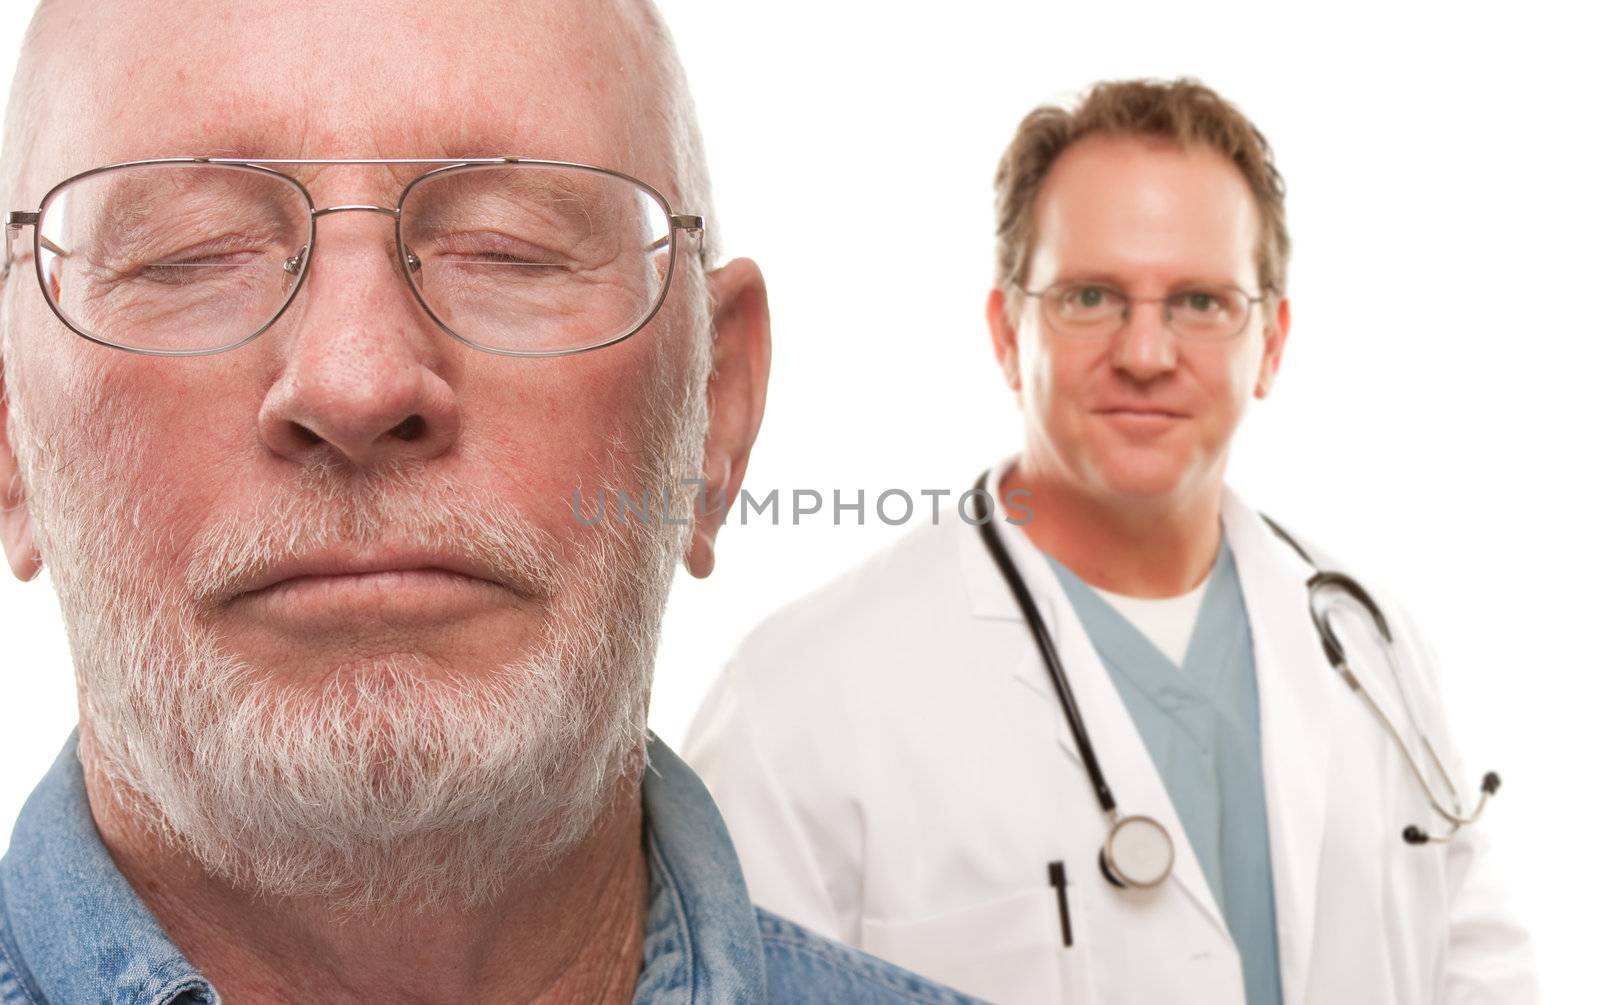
(1456, 818)
(1047, 648)
(1322, 582)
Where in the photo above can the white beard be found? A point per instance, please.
(381, 783)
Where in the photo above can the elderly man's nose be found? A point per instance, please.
(364, 373)
(1144, 348)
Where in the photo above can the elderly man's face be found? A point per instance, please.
(356, 357)
(169, 491)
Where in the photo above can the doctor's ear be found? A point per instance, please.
(1277, 332)
(16, 526)
(1003, 338)
(736, 398)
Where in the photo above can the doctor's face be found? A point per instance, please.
(1141, 415)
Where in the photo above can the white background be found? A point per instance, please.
(1434, 422)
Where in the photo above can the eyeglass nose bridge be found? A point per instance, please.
(388, 211)
(295, 263)
(1127, 312)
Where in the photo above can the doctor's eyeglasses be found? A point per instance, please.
(190, 256)
(1200, 313)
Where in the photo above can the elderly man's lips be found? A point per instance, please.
(412, 595)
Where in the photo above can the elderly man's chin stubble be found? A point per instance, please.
(382, 782)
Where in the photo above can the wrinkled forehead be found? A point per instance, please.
(556, 79)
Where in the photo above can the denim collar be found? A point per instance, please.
(702, 940)
(75, 931)
(72, 923)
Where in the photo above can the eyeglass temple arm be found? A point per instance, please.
(15, 221)
(681, 221)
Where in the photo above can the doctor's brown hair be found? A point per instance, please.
(1182, 111)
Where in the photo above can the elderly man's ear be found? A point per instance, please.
(16, 530)
(736, 396)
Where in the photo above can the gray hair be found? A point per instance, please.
(681, 127)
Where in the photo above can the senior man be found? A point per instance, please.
(1094, 751)
(362, 706)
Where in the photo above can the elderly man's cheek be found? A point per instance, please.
(138, 455)
(592, 430)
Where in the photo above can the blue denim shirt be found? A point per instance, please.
(72, 931)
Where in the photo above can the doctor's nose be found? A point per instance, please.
(366, 376)
(1144, 348)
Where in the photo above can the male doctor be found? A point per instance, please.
(893, 753)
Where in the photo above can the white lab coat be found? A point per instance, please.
(896, 772)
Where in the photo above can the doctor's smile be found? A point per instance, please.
(1140, 418)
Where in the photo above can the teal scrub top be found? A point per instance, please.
(1201, 724)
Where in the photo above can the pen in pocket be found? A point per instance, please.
(1058, 879)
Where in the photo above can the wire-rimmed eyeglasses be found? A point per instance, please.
(1203, 312)
(186, 256)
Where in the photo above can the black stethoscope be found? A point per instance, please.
(1139, 851)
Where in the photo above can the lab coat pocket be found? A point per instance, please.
(1005, 950)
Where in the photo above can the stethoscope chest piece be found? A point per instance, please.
(1138, 853)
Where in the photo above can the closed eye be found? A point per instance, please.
(177, 272)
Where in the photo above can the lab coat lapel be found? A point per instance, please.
(1129, 769)
(1296, 689)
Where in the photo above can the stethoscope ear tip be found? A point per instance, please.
(1413, 835)
(1491, 783)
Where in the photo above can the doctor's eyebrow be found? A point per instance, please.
(1120, 284)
